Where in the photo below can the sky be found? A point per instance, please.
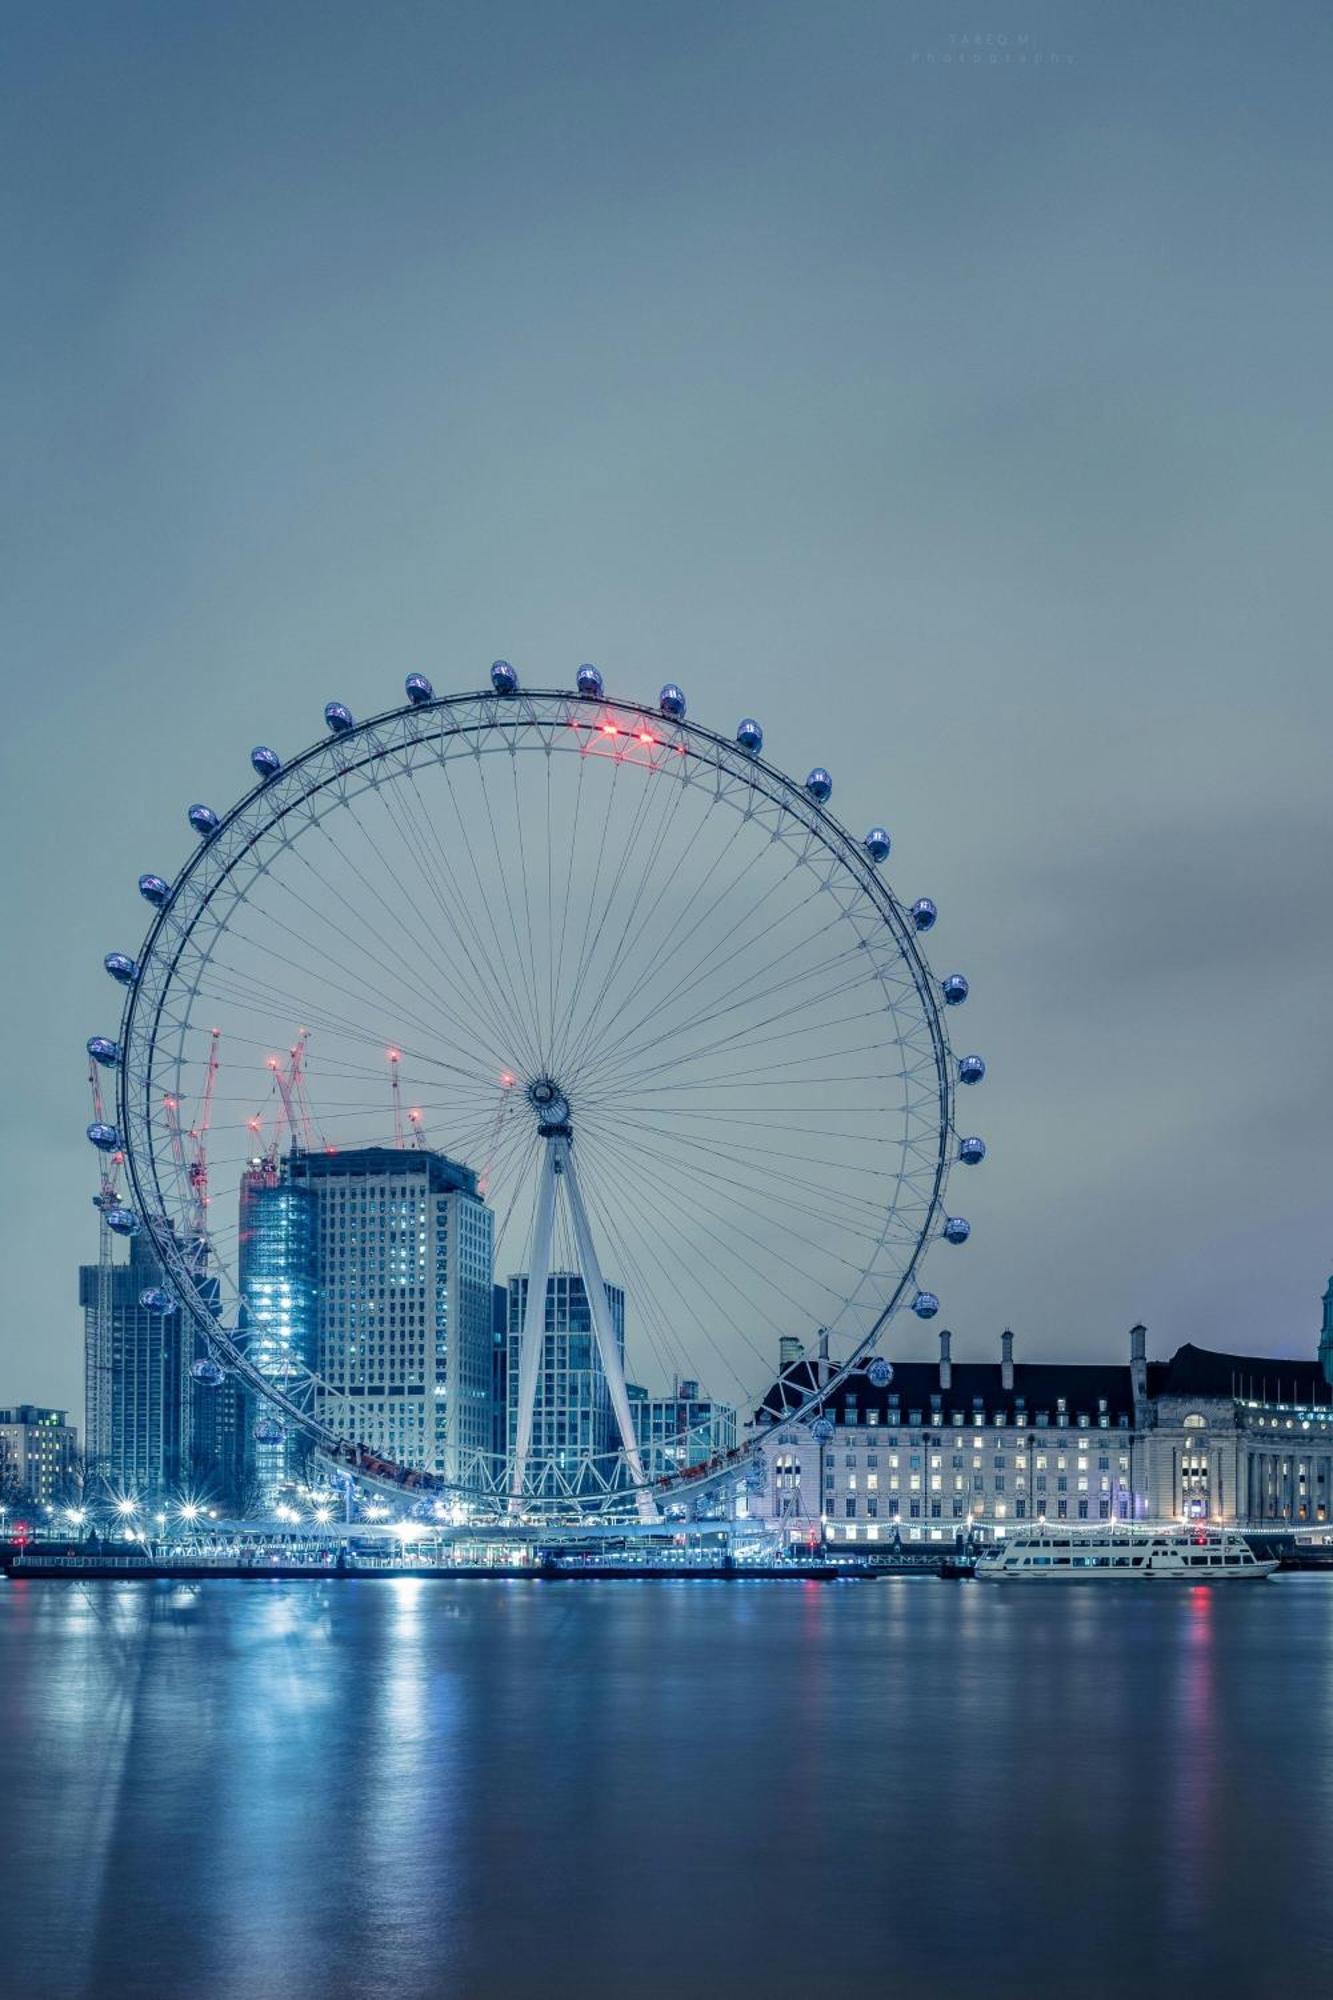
(959, 408)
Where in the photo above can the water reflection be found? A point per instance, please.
(418, 1788)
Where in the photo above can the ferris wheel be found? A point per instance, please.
(656, 1010)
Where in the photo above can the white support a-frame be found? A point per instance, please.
(558, 1166)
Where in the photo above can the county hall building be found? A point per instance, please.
(990, 1446)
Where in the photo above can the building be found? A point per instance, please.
(278, 1314)
(38, 1450)
(684, 1428)
(946, 1449)
(573, 1420)
(151, 1430)
(403, 1247)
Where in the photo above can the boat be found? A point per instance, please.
(1123, 1555)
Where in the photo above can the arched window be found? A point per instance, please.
(1196, 1423)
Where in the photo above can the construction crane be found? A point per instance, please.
(189, 1150)
(293, 1116)
(395, 1056)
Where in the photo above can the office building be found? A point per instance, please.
(684, 1428)
(278, 1315)
(38, 1450)
(151, 1430)
(572, 1415)
(402, 1247)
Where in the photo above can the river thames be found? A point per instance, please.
(421, 1788)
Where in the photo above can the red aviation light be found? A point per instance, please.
(394, 1055)
(507, 1079)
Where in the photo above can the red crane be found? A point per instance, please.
(190, 1152)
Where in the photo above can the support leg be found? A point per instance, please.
(534, 1319)
(603, 1327)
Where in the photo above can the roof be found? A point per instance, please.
(377, 1162)
(1038, 1387)
(1259, 1378)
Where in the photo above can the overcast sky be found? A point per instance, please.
(966, 422)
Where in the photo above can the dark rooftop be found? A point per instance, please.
(1038, 1387)
(442, 1174)
(1257, 1378)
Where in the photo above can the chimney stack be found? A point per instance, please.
(1006, 1359)
(1138, 1367)
(946, 1363)
(825, 1365)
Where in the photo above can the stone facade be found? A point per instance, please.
(949, 1449)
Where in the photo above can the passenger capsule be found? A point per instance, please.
(877, 844)
(822, 1430)
(972, 1151)
(589, 682)
(924, 913)
(105, 1137)
(956, 1229)
(418, 690)
(154, 890)
(819, 785)
(880, 1372)
(209, 1373)
(925, 1305)
(339, 718)
(955, 990)
(750, 736)
(105, 1052)
(267, 763)
(121, 967)
(204, 821)
(123, 1220)
(671, 701)
(155, 1300)
(971, 1069)
(503, 678)
(267, 1430)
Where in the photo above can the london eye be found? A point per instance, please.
(635, 997)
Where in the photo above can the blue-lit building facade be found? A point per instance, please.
(572, 1415)
(150, 1430)
(278, 1313)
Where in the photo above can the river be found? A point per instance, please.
(512, 1788)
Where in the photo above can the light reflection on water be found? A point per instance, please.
(420, 1788)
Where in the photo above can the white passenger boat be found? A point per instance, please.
(1189, 1555)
